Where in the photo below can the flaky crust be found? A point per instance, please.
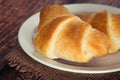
(46, 36)
(107, 23)
(70, 38)
(50, 13)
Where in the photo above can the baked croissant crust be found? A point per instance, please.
(107, 23)
(68, 37)
(50, 13)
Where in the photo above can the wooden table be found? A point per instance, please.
(12, 14)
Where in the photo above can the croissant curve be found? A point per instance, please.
(70, 38)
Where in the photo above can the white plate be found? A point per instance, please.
(110, 63)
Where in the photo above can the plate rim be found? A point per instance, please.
(88, 71)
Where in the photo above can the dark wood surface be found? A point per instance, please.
(13, 13)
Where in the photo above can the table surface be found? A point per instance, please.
(14, 12)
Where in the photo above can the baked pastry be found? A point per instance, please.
(48, 14)
(107, 23)
(70, 38)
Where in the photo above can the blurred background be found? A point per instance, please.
(13, 13)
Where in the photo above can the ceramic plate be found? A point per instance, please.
(110, 63)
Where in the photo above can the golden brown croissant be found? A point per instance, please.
(50, 13)
(107, 23)
(70, 38)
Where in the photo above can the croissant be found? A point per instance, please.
(70, 38)
(50, 13)
(107, 23)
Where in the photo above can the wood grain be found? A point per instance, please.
(13, 13)
(114, 3)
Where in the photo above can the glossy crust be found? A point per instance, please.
(86, 17)
(70, 38)
(46, 37)
(107, 23)
(50, 13)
